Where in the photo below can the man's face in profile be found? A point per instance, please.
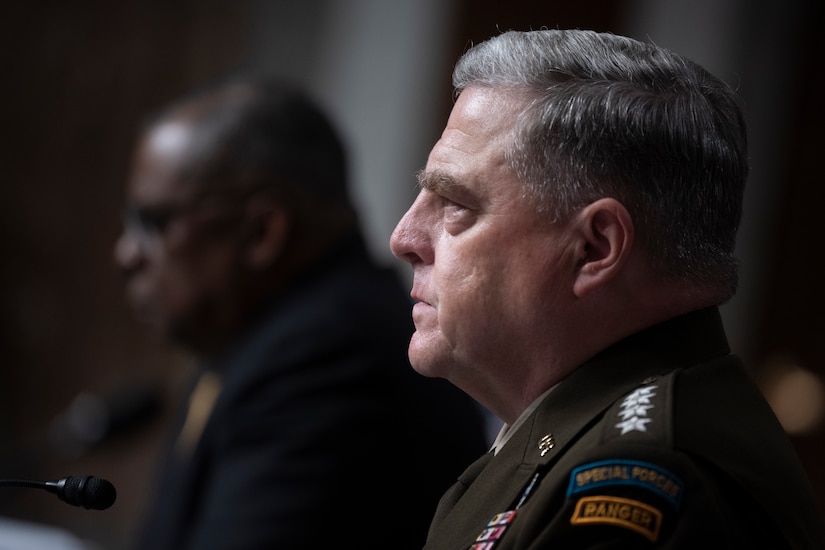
(177, 250)
(488, 268)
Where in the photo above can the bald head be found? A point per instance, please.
(233, 193)
(257, 133)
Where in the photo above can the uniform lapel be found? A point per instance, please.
(494, 490)
(454, 493)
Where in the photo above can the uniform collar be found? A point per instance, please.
(507, 430)
(592, 388)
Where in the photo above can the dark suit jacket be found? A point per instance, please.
(322, 433)
(661, 441)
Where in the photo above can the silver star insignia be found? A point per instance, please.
(633, 424)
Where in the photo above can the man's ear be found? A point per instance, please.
(265, 233)
(605, 232)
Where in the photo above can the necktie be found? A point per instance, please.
(454, 493)
(201, 401)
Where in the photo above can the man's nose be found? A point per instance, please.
(409, 241)
(127, 252)
(398, 240)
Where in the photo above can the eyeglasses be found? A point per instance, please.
(148, 224)
(151, 220)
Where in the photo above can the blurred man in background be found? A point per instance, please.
(306, 425)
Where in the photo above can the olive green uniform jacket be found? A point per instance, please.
(661, 441)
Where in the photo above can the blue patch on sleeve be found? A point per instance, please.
(608, 473)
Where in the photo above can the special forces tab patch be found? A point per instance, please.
(610, 473)
(621, 512)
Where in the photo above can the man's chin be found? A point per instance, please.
(425, 371)
(154, 322)
(424, 360)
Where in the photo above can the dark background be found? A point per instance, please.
(79, 76)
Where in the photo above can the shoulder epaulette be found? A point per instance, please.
(643, 415)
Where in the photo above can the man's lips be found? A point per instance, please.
(417, 294)
(420, 314)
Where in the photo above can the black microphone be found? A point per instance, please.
(92, 493)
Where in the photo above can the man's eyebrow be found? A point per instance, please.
(435, 181)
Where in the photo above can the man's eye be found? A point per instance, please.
(453, 209)
(148, 220)
(457, 217)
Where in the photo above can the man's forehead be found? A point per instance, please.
(158, 166)
(474, 140)
(479, 101)
(482, 122)
(169, 137)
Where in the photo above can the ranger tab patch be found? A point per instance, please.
(621, 512)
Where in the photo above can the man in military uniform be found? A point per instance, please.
(571, 242)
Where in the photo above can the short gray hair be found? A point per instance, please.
(609, 116)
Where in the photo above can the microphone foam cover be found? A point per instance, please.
(90, 492)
